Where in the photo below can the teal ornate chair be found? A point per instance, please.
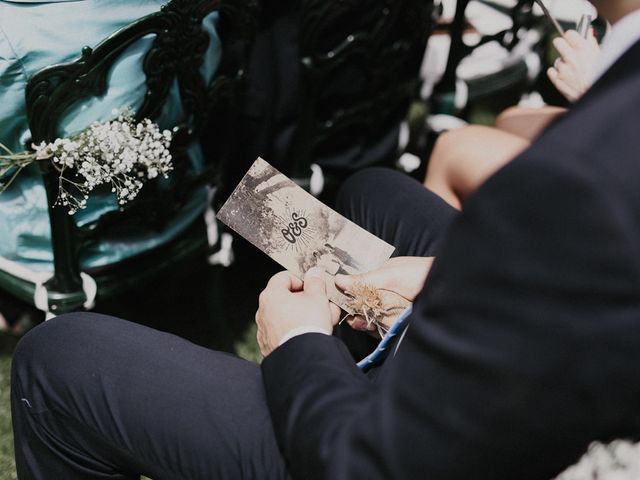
(175, 58)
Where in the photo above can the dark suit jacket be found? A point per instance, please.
(524, 345)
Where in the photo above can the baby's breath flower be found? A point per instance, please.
(120, 153)
(619, 460)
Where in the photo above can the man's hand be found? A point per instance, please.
(287, 303)
(402, 275)
(572, 73)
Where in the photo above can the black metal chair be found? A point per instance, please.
(514, 77)
(359, 70)
(175, 57)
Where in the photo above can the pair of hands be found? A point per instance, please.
(288, 304)
(572, 73)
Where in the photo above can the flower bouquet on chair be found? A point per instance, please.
(120, 153)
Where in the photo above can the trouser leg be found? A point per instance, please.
(396, 208)
(98, 397)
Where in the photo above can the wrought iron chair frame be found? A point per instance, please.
(522, 17)
(382, 58)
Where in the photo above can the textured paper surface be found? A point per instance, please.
(297, 230)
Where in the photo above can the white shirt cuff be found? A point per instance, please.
(301, 330)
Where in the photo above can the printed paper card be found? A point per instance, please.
(297, 230)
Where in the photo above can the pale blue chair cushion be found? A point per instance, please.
(34, 35)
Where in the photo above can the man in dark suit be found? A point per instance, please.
(525, 342)
(522, 349)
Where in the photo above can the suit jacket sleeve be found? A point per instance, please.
(505, 371)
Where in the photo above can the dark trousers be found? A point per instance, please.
(98, 397)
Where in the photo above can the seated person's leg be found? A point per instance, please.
(94, 396)
(463, 159)
(527, 123)
(396, 208)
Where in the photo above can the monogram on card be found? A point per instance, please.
(298, 231)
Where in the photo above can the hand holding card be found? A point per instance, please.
(298, 231)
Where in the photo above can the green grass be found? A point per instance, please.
(7, 464)
(247, 346)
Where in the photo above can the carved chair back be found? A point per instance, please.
(360, 65)
(175, 58)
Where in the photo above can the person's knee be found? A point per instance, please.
(439, 151)
(443, 151)
(44, 344)
(359, 186)
(363, 179)
(40, 338)
(505, 117)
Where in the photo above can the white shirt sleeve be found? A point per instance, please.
(302, 330)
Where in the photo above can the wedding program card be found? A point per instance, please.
(297, 230)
